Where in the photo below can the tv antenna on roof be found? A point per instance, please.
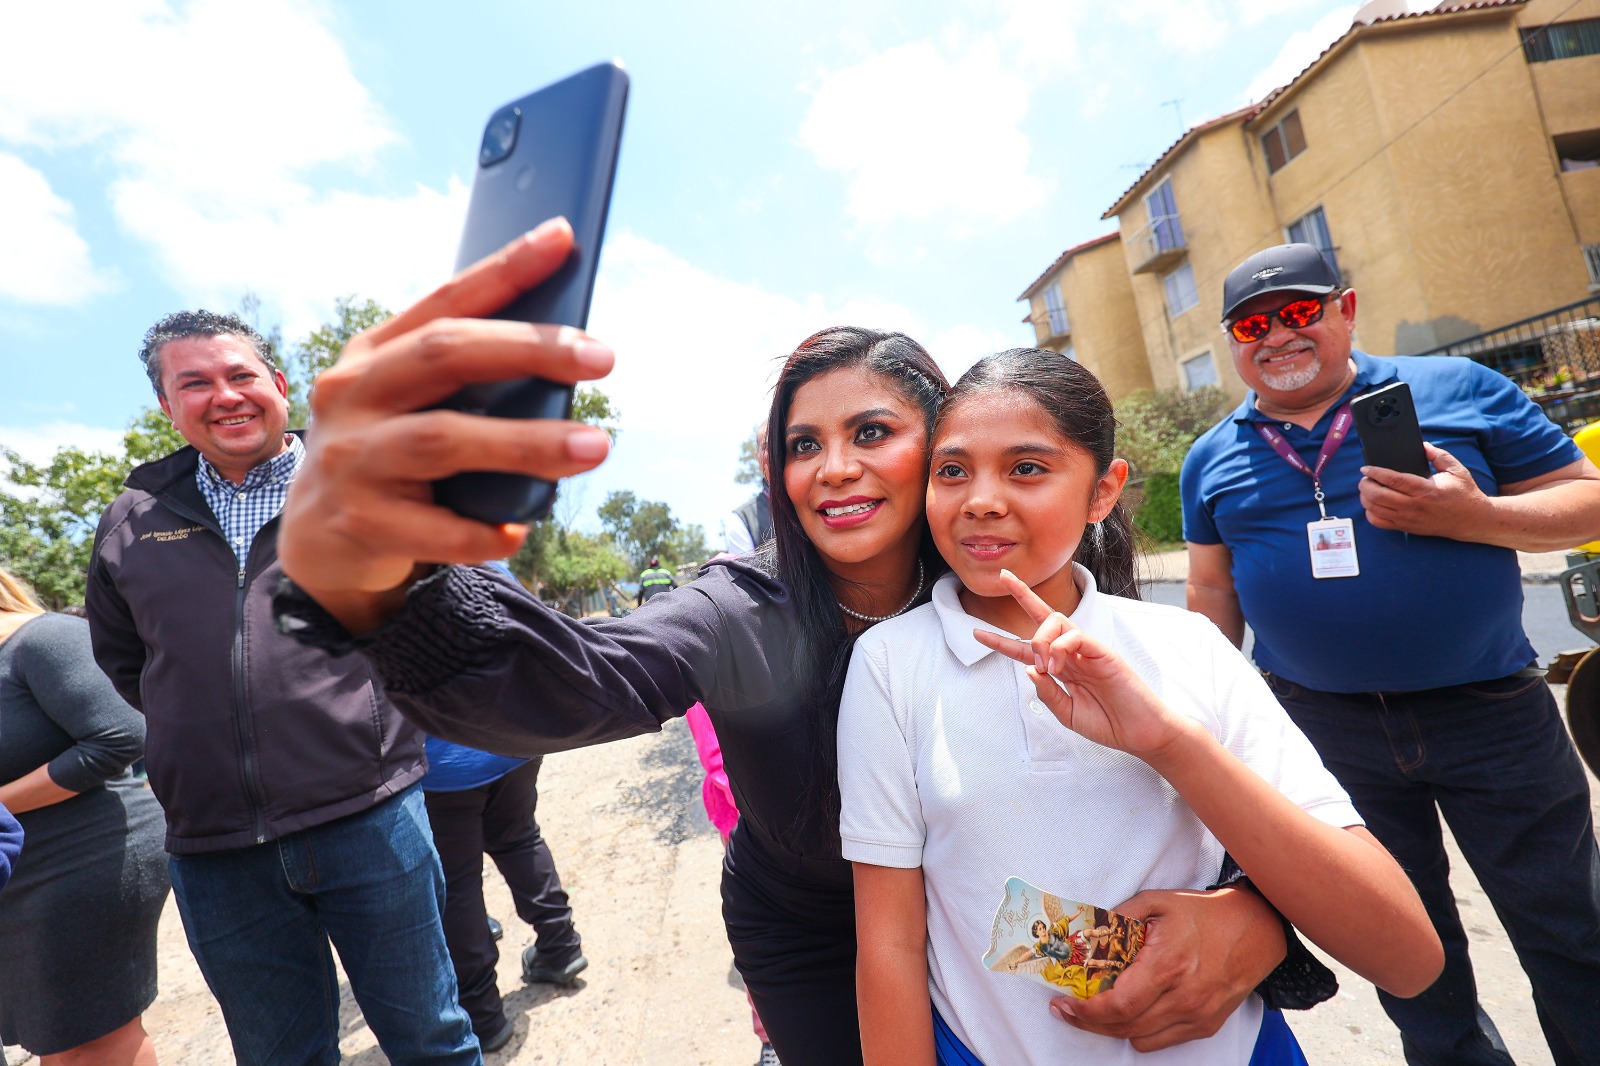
(1177, 109)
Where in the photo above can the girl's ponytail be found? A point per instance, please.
(1110, 553)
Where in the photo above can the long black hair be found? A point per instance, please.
(825, 641)
(1078, 405)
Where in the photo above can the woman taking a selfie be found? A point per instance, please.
(762, 643)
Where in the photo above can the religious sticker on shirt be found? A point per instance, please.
(1066, 945)
(1333, 548)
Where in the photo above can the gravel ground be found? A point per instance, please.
(641, 864)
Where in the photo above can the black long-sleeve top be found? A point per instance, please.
(474, 659)
(58, 709)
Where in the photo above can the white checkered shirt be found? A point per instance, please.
(242, 510)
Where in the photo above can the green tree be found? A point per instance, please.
(1156, 428)
(576, 563)
(542, 553)
(322, 348)
(749, 472)
(643, 528)
(47, 527)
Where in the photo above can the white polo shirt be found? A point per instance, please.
(948, 761)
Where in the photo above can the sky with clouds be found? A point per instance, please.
(784, 168)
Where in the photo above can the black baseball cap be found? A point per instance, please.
(1284, 268)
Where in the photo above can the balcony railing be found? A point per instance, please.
(1157, 244)
(1554, 357)
(1051, 326)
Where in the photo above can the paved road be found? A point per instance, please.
(1544, 616)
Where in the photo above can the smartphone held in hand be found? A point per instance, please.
(1386, 422)
(551, 153)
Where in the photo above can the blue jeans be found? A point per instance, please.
(1495, 759)
(259, 921)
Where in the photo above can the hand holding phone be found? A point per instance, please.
(1386, 422)
(361, 516)
(552, 153)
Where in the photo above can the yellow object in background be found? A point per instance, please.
(1588, 439)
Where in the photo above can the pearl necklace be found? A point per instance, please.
(884, 618)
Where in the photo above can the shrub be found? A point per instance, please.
(1160, 516)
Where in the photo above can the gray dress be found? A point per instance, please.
(78, 920)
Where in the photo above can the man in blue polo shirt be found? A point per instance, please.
(1403, 658)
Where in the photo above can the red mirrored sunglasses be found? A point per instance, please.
(1297, 315)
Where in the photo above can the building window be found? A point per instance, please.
(1578, 151)
(1057, 310)
(1198, 372)
(1166, 231)
(1562, 40)
(1283, 142)
(1591, 259)
(1181, 291)
(1312, 228)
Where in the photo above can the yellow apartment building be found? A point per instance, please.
(1448, 161)
(1103, 329)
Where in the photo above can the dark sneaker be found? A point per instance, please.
(496, 1036)
(551, 969)
(496, 930)
(768, 1057)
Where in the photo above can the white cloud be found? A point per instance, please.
(43, 258)
(926, 137)
(1255, 11)
(696, 358)
(300, 251)
(958, 347)
(37, 444)
(203, 99)
(1185, 26)
(1299, 50)
(214, 140)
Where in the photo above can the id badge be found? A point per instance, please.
(1333, 548)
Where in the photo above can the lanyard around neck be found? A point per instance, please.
(1330, 444)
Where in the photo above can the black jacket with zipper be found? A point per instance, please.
(250, 735)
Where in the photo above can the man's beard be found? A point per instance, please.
(1290, 380)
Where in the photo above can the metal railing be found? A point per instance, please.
(1158, 243)
(1554, 357)
(1055, 325)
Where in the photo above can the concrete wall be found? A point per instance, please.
(1105, 331)
(1221, 203)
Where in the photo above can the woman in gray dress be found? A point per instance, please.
(78, 919)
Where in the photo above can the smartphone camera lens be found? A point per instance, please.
(1383, 412)
(500, 136)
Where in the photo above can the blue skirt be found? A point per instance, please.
(1275, 1044)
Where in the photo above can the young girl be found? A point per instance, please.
(1134, 749)
(763, 642)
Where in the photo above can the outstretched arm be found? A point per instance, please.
(1294, 859)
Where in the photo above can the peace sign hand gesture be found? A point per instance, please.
(1102, 698)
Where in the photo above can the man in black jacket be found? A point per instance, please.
(287, 777)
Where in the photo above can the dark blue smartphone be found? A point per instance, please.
(551, 153)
